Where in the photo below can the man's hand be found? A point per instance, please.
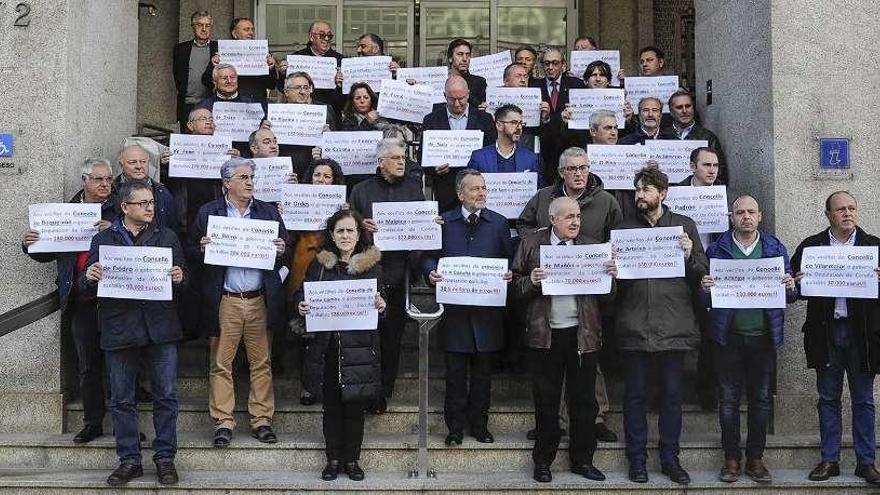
(686, 244)
(483, 106)
(537, 275)
(788, 281)
(204, 241)
(339, 77)
(379, 303)
(29, 237)
(303, 308)
(164, 158)
(545, 112)
(281, 67)
(434, 277)
(279, 246)
(508, 276)
(707, 283)
(265, 124)
(270, 61)
(233, 152)
(628, 111)
(611, 267)
(316, 153)
(443, 169)
(372, 116)
(370, 225)
(94, 273)
(566, 113)
(103, 224)
(215, 59)
(393, 68)
(176, 274)
(798, 277)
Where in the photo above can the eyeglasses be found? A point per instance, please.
(515, 123)
(243, 178)
(575, 169)
(552, 62)
(203, 119)
(324, 36)
(143, 204)
(108, 180)
(298, 88)
(396, 158)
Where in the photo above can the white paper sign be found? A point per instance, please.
(321, 69)
(508, 193)
(241, 242)
(370, 70)
(840, 271)
(355, 151)
(341, 305)
(491, 67)
(237, 120)
(616, 165)
(63, 227)
(299, 124)
(705, 205)
(449, 147)
(247, 56)
(749, 284)
(674, 156)
(648, 253)
(584, 102)
(307, 206)
(527, 99)
(196, 156)
(135, 272)
(269, 175)
(580, 59)
(660, 87)
(472, 281)
(573, 270)
(427, 76)
(406, 102)
(407, 225)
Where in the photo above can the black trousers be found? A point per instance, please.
(390, 332)
(90, 360)
(549, 366)
(467, 397)
(343, 421)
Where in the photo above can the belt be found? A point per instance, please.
(251, 294)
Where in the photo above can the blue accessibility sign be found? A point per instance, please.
(833, 153)
(5, 145)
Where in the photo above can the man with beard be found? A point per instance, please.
(650, 113)
(506, 155)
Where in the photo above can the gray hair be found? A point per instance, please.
(598, 115)
(394, 131)
(460, 176)
(572, 152)
(556, 49)
(200, 14)
(130, 146)
(557, 204)
(219, 67)
(387, 143)
(90, 163)
(229, 166)
(639, 106)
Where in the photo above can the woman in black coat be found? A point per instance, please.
(342, 368)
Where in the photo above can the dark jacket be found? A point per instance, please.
(472, 328)
(378, 190)
(720, 318)
(485, 160)
(166, 209)
(699, 133)
(208, 101)
(180, 70)
(538, 332)
(638, 136)
(554, 132)
(213, 276)
(599, 211)
(863, 314)
(477, 87)
(658, 314)
(357, 351)
(253, 87)
(131, 323)
(334, 97)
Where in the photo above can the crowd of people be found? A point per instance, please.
(655, 322)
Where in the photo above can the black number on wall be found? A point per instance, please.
(24, 15)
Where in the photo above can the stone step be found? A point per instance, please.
(91, 481)
(390, 452)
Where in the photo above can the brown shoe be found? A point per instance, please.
(757, 471)
(730, 471)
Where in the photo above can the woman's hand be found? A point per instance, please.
(379, 303)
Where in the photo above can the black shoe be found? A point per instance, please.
(869, 473)
(676, 473)
(142, 395)
(589, 472)
(354, 472)
(166, 473)
(483, 436)
(330, 470)
(603, 434)
(264, 434)
(88, 434)
(542, 473)
(222, 437)
(638, 473)
(824, 470)
(454, 439)
(125, 473)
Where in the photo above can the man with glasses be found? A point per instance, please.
(134, 162)
(506, 154)
(299, 88)
(319, 45)
(189, 61)
(517, 75)
(242, 28)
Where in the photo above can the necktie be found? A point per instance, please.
(472, 220)
(561, 243)
(554, 94)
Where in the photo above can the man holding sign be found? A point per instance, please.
(253, 86)
(506, 155)
(135, 331)
(841, 336)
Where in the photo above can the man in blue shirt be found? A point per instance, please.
(505, 154)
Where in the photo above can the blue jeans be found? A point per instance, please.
(635, 423)
(829, 382)
(745, 363)
(123, 367)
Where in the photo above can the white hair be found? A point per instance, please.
(90, 163)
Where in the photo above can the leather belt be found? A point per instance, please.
(251, 294)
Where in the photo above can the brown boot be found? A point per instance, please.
(757, 471)
(730, 471)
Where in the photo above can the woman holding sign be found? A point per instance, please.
(342, 367)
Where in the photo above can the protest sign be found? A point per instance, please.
(748, 284)
(406, 225)
(370, 70)
(660, 87)
(648, 253)
(197, 157)
(241, 242)
(840, 271)
(247, 56)
(407, 102)
(435, 77)
(491, 67)
(573, 270)
(298, 124)
(705, 205)
(355, 151)
(341, 305)
(472, 281)
(135, 272)
(308, 206)
(237, 120)
(583, 102)
(616, 165)
(269, 175)
(674, 156)
(63, 227)
(322, 70)
(527, 99)
(580, 59)
(449, 147)
(508, 193)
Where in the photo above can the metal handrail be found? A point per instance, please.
(26, 314)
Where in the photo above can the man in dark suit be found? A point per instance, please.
(457, 114)
(506, 154)
(458, 55)
(320, 36)
(554, 90)
(473, 333)
(242, 28)
(189, 62)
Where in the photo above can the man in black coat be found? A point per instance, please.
(254, 87)
(320, 36)
(684, 125)
(457, 114)
(189, 62)
(458, 55)
(650, 115)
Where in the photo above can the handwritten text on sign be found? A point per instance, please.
(491, 67)
(472, 281)
(508, 193)
(63, 227)
(580, 59)
(573, 270)
(237, 120)
(583, 102)
(341, 305)
(749, 284)
(321, 69)
(451, 148)
(407, 225)
(135, 272)
(527, 99)
(196, 156)
(269, 175)
(241, 242)
(247, 56)
(660, 87)
(840, 271)
(307, 206)
(355, 151)
(298, 124)
(674, 156)
(648, 253)
(705, 205)
(616, 165)
(370, 70)
(402, 101)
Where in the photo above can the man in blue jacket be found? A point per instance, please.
(505, 154)
(473, 333)
(745, 343)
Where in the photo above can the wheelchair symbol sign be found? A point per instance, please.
(5, 145)
(834, 153)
